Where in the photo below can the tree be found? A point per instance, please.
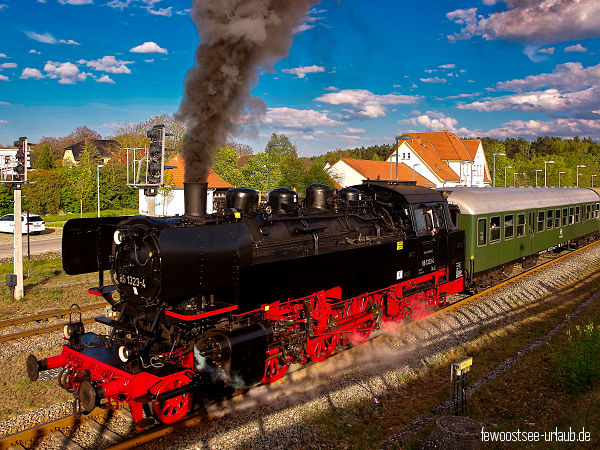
(82, 178)
(241, 149)
(225, 165)
(45, 159)
(132, 135)
(44, 195)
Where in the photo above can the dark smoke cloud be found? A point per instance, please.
(237, 38)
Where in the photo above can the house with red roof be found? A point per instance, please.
(443, 158)
(348, 172)
(169, 202)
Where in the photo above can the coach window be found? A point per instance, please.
(540, 226)
(557, 219)
(494, 229)
(550, 219)
(577, 214)
(508, 227)
(565, 217)
(571, 215)
(481, 232)
(587, 211)
(520, 225)
(597, 209)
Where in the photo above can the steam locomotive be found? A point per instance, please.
(211, 304)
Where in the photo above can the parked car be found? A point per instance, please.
(36, 224)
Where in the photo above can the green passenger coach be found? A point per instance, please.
(508, 226)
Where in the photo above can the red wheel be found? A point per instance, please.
(173, 410)
(359, 306)
(322, 347)
(276, 367)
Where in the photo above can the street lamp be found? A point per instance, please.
(536, 172)
(98, 185)
(269, 145)
(398, 140)
(593, 179)
(559, 173)
(506, 167)
(496, 154)
(545, 171)
(515, 178)
(582, 166)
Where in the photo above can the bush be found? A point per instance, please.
(579, 359)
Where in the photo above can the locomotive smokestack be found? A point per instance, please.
(194, 197)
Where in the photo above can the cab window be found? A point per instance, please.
(550, 220)
(494, 229)
(481, 232)
(429, 218)
(509, 229)
(520, 225)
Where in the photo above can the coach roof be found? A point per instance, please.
(488, 200)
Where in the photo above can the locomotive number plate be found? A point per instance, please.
(137, 282)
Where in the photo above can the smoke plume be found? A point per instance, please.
(238, 37)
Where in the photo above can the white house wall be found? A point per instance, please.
(174, 204)
(345, 175)
(407, 156)
(480, 167)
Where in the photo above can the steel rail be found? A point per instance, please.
(39, 330)
(47, 315)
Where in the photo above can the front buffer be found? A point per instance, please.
(95, 373)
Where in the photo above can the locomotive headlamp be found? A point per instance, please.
(73, 331)
(118, 237)
(125, 353)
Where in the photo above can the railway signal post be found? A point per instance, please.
(19, 177)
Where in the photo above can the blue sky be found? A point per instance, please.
(359, 71)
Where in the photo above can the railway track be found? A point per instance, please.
(114, 440)
(45, 316)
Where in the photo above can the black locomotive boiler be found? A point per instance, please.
(204, 304)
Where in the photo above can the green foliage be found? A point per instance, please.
(43, 195)
(225, 165)
(81, 177)
(45, 159)
(526, 157)
(579, 360)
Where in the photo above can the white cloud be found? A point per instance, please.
(69, 42)
(539, 101)
(3, 55)
(331, 88)
(576, 48)
(149, 60)
(364, 103)
(167, 12)
(454, 97)
(5, 103)
(148, 47)
(539, 21)
(310, 21)
(301, 72)
(3, 78)
(108, 64)
(10, 65)
(433, 80)
(28, 72)
(299, 119)
(355, 130)
(76, 2)
(569, 75)
(562, 127)
(67, 73)
(105, 79)
(46, 38)
(435, 121)
(2, 6)
(4, 121)
(447, 66)
(547, 50)
(34, 52)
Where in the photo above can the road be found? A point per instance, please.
(49, 241)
